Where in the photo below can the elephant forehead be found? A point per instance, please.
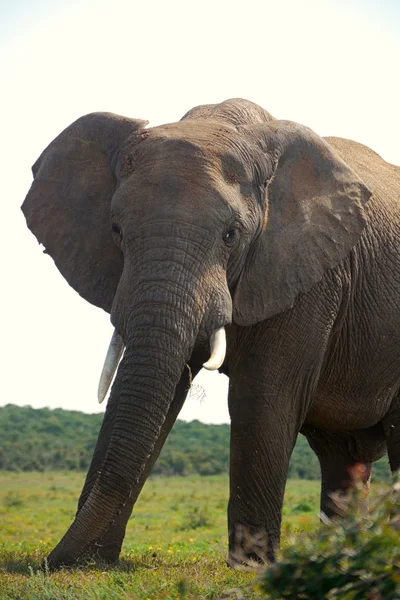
(158, 158)
(198, 143)
(175, 166)
(180, 164)
(193, 164)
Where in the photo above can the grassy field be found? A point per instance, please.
(175, 547)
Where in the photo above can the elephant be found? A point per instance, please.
(244, 243)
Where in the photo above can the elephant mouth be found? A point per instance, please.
(117, 346)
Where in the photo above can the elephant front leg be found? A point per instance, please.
(262, 440)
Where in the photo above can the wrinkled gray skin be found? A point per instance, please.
(229, 218)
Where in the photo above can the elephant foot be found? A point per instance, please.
(249, 548)
(57, 560)
(251, 562)
(108, 552)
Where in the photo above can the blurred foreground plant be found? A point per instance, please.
(352, 558)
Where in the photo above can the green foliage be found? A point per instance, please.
(354, 558)
(44, 439)
(304, 462)
(13, 499)
(304, 506)
(195, 448)
(194, 519)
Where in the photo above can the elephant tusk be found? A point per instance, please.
(218, 350)
(114, 353)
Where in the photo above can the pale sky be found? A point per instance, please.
(332, 65)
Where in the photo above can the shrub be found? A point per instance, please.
(353, 558)
(195, 519)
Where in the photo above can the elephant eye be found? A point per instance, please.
(231, 235)
(116, 231)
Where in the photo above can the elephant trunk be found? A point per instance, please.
(160, 336)
(109, 545)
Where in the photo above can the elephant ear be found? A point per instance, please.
(313, 215)
(68, 205)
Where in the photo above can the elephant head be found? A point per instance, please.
(178, 231)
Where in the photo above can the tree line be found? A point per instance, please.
(56, 439)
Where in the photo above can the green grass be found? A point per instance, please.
(175, 547)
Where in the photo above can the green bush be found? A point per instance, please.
(353, 558)
(45, 440)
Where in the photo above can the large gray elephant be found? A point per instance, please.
(228, 221)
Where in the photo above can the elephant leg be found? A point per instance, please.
(108, 547)
(274, 371)
(340, 471)
(259, 462)
(391, 425)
